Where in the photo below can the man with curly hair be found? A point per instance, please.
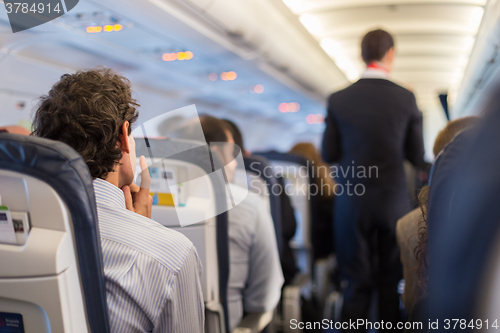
(152, 273)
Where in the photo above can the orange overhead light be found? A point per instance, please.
(289, 107)
(212, 76)
(228, 76)
(283, 107)
(258, 89)
(94, 29)
(107, 28)
(177, 56)
(169, 57)
(311, 119)
(315, 119)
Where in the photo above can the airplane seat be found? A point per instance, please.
(291, 166)
(51, 277)
(256, 166)
(193, 202)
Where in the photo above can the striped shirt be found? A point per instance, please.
(152, 273)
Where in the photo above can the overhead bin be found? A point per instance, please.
(265, 32)
(482, 73)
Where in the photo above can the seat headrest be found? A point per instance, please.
(61, 167)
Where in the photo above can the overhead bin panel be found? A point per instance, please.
(263, 31)
(301, 6)
(482, 73)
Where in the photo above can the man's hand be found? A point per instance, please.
(137, 199)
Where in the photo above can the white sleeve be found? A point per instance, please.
(265, 277)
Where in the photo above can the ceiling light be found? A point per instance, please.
(258, 89)
(212, 76)
(228, 76)
(169, 56)
(283, 107)
(289, 107)
(94, 29)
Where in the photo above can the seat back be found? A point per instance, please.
(297, 179)
(51, 279)
(261, 178)
(198, 209)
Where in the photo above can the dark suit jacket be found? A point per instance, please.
(375, 123)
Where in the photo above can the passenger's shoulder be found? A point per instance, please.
(168, 247)
(407, 225)
(246, 212)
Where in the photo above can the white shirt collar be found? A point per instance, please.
(107, 192)
(375, 73)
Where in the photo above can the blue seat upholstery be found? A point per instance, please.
(254, 163)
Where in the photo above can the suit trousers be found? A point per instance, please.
(367, 251)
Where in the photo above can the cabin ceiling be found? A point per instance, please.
(433, 39)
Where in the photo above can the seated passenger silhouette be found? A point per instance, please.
(411, 229)
(288, 221)
(152, 273)
(255, 276)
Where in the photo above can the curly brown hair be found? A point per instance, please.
(86, 110)
(420, 251)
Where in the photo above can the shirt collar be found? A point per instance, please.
(375, 73)
(109, 193)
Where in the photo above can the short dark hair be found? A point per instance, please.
(86, 110)
(214, 129)
(375, 45)
(236, 133)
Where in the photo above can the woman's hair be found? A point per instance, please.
(420, 251)
(321, 170)
(87, 110)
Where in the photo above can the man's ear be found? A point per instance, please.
(391, 53)
(125, 143)
(217, 149)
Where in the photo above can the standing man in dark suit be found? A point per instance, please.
(372, 126)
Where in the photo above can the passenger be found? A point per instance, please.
(237, 136)
(288, 221)
(255, 276)
(374, 124)
(463, 216)
(152, 273)
(412, 228)
(323, 202)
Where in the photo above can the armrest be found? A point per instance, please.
(254, 322)
(214, 318)
(292, 302)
